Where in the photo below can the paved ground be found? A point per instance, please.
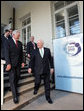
(61, 101)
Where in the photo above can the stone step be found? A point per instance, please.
(24, 99)
(21, 82)
(25, 75)
(21, 90)
(22, 72)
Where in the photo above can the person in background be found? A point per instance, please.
(42, 64)
(11, 31)
(31, 46)
(4, 38)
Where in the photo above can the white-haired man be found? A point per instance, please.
(14, 60)
(41, 62)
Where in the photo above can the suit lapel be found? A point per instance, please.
(15, 44)
(39, 54)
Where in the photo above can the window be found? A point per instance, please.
(66, 18)
(27, 21)
(73, 17)
(60, 24)
(24, 35)
(26, 29)
(61, 4)
(28, 33)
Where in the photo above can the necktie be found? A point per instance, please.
(34, 45)
(16, 43)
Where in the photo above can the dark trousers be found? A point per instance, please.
(14, 75)
(46, 78)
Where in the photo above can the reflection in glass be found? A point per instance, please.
(24, 35)
(60, 24)
(28, 33)
(59, 5)
(28, 21)
(59, 16)
(74, 24)
(60, 30)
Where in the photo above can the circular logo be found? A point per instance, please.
(72, 48)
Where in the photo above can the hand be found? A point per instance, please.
(51, 70)
(23, 65)
(8, 67)
(28, 55)
(29, 70)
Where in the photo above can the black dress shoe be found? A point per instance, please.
(49, 101)
(35, 92)
(15, 100)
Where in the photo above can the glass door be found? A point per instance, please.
(28, 33)
(24, 36)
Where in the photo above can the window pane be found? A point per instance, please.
(59, 5)
(74, 26)
(60, 30)
(29, 29)
(74, 23)
(24, 35)
(28, 33)
(59, 16)
(73, 11)
(28, 21)
(24, 23)
(60, 24)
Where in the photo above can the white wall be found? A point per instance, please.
(41, 26)
(6, 12)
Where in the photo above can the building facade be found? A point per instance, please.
(45, 20)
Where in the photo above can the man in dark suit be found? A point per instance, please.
(41, 59)
(10, 35)
(14, 61)
(4, 38)
(31, 46)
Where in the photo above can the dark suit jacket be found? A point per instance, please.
(41, 65)
(30, 47)
(9, 37)
(14, 55)
(3, 40)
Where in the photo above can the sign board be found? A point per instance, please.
(68, 63)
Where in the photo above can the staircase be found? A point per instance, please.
(25, 89)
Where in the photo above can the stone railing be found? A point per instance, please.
(2, 81)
